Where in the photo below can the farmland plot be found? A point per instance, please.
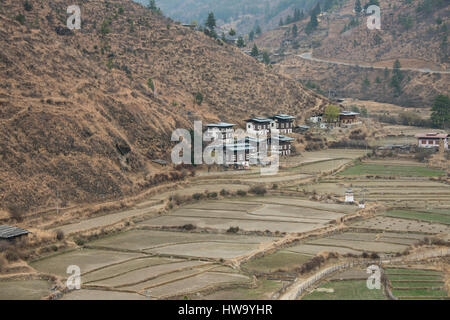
(24, 289)
(394, 224)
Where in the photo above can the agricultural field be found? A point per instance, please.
(436, 216)
(403, 225)
(356, 243)
(408, 283)
(391, 170)
(311, 157)
(265, 290)
(24, 289)
(345, 290)
(282, 260)
(255, 214)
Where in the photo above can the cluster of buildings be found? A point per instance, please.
(257, 144)
(345, 119)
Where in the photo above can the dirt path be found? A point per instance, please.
(308, 56)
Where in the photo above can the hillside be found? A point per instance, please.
(78, 117)
(242, 15)
(414, 32)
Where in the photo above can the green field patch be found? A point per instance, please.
(346, 290)
(419, 293)
(409, 214)
(417, 284)
(391, 170)
(398, 271)
(281, 260)
(414, 277)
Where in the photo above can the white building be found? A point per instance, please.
(349, 198)
(226, 129)
(432, 140)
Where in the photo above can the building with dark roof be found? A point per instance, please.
(10, 233)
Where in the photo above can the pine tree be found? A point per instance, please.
(358, 7)
(295, 31)
(211, 21)
(440, 115)
(266, 58)
(255, 51)
(258, 30)
(240, 42)
(251, 35)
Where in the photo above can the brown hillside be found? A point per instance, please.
(414, 37)
(77, 115)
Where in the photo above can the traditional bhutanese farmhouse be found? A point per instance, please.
(282, 145)
(239, 154)
(348, 118)
(11, 233)
(259, 126)
(226, 129)
(432, 140)
(283, 123)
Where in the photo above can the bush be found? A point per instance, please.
(275, 186)
(60, 235)
(259, 190)
(212, 195)
(188, 227)
(233, 230)
(224, 192)
(20, 18)
(241, 193)
(197, 196)
(79, 241)
(11, 255)
(27, 6)
(374, 256)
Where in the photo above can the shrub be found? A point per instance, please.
(150, 84)
(79, 241)
(233, 230)
(224, 192)
(275, 186)
(188, 227)
(212, 195)
(259, 190)
(374, 256)
(60, 235)
(27, 6)
(241, 193)
(197, 196)
(11, 255)
(20, 18)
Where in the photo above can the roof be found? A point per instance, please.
(261, 120)
(220, 125)
(8, 232)
(284, 138)
(161, 162)
(283, 117)
(432, 135)
(348, 113)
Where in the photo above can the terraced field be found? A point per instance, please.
(391, 170)
(24, 289)
(255, 214)
(345, 290)
(407, 283)
(357, 243)
(402, 225)
(438, 216)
